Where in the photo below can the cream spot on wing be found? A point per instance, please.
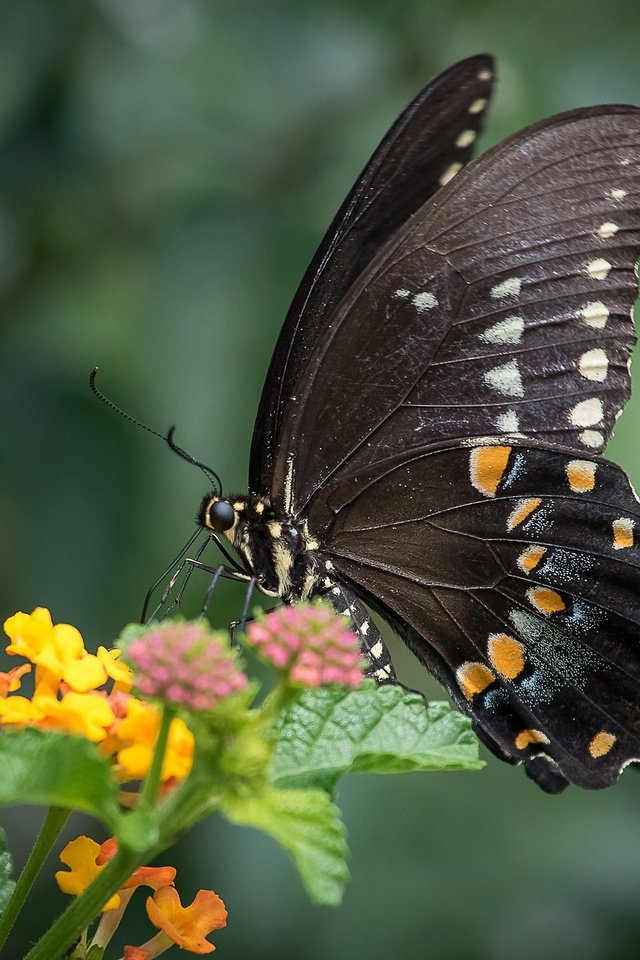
(506, 379)
(506, 655)
(450, 173)
(424, 301)
(601, 744)
(509, 330)
(623, 533)
(288, 485)
(486, 468)
(523, 509)
(508, 422)
(531, 557)
(595, 314)
(546, 601)
(473, 678)
(591, 438)
(608, 229)
(625, 163)
(466, 138)
(478, 105)
(507, 288)
(526, 737)
(586, 413)
(594, 365)
(617, 193)
(377, 650)
(402, 292)
(484, 74)
(364, 628)
(581, 475)
(598, 268)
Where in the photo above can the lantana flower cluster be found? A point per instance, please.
(130, 703)
(88, 695)
(310, 644)
(187, 926)
(185, 664)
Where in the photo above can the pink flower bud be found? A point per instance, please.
(310, 643)
(185, 664)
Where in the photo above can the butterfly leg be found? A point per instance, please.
(372, 645)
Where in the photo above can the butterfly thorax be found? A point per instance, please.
(276, 548)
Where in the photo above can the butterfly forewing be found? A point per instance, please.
(502, 305)
(456, 355)
(515, 573)
(430, 142)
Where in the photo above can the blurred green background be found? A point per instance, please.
(167, 168)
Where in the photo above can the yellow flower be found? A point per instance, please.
(119, 672)
(81, 855)
(86, 714)
(20, 710)
(137, 734)
(57, 650)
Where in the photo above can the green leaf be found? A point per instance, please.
(331, 731)
(7, 885)
(308, 825)
(56, 769)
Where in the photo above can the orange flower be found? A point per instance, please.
(136, 953)
(154, 877)
(81, 856)
(186, 926)
(10, 681)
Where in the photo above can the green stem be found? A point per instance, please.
(69, 926)
(53, 824)
(151, 786)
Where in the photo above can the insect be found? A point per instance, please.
(427, 440)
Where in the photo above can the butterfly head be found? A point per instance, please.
(279, 552)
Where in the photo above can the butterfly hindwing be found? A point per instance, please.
(502, 305)
(513, 571)
(430, 141)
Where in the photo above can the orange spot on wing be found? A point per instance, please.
(581, 475)
(623, 533)
(521, 511)
(473, 678)
(530, 558)
(526, 737)
(601, 744)
(545, 600)
(506, 655)
(487, 466)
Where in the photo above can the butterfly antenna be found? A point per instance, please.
(117, 409)
(210, 474)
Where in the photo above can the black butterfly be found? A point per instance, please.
(452, 363)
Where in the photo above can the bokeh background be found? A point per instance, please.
(167, 168)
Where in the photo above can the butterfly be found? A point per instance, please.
(427, 442)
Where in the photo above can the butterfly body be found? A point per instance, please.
(429, 432)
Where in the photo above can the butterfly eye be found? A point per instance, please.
(221, 516)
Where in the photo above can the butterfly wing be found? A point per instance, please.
(513, 571)
(432, 139)
(502, 304)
